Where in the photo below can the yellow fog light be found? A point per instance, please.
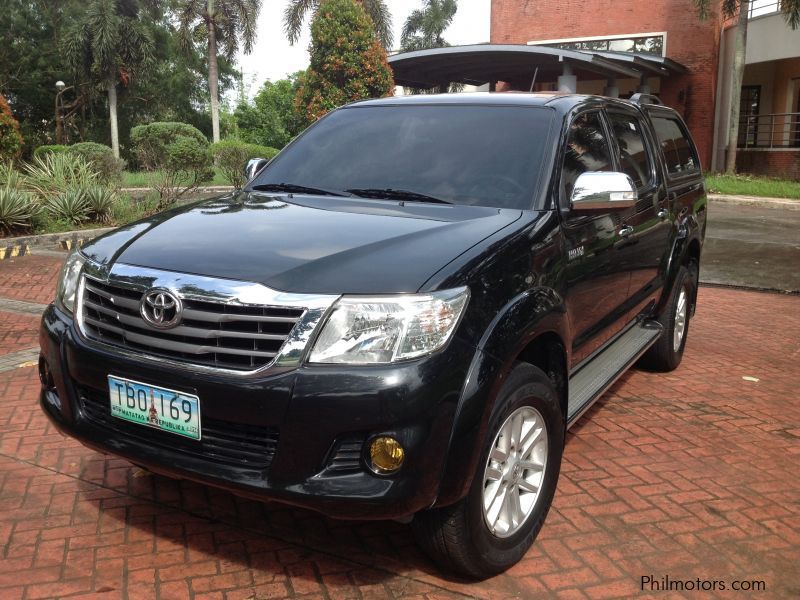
(386, 454)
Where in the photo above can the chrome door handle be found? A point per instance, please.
(663, 214)
(625, 231)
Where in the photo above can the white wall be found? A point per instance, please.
(770, 38)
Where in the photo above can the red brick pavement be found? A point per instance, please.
(31, 278)
(17, 331)
(690, 474)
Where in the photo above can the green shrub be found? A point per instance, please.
(179, 152)
(127, 209)
(231, 157)
(51, 174)
(10, 138)
(49, 149)
(9, 176)
(71, 205)
(17, 209)
(101, 203)
(101, 158)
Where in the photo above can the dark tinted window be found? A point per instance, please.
(479, 155)
(587, 149)
(675, 146)
(633, 158)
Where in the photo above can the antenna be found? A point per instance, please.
(535, 73)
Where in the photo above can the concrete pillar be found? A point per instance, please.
(567, 82)
(611, 90)
(644, 87)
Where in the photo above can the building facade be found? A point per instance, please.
(770, 138)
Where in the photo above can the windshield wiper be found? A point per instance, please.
(293, 188)
(393, 194)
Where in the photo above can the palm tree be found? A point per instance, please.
(423, 30)
(740, 9)
(424, 27)
(296, 11)
(222, 23)
(108, 45)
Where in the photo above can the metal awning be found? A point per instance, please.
(645, 63)
(516, 63)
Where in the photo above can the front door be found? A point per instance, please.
(596, 279)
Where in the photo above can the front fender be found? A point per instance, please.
(535, 312)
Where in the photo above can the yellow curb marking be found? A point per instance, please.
(8, 252)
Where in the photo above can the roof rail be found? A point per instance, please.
(646, 99)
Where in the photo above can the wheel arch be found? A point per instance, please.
(532, 328)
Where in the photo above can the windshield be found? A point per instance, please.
(477, 155)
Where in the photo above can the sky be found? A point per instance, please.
(273, 57)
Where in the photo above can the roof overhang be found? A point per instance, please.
(516, 64)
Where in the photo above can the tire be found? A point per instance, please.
(459, 537)
(666, 354)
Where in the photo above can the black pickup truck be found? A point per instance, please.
(399, 316)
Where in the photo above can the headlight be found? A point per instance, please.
(68, 282)
(385, 329)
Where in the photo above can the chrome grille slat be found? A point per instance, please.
(115, 300)
(201, 315)
(194, 332)
(242, 337)
(176, 346)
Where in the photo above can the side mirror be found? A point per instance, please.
(254, 165)
(596, 190)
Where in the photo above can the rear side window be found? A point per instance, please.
(675, 146)
(633, 158)
(587, 149)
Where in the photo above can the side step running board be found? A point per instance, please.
(600, 373)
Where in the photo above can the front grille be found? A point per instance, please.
(221, 441)
(215, 334)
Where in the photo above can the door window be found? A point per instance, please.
(587, 150)
(634, 160)
(675, 145)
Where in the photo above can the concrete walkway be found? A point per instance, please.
(752, 246)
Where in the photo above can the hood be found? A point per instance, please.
(305, 244)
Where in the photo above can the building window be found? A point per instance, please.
(652, 44)
(749, 107)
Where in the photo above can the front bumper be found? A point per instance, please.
(315, 417)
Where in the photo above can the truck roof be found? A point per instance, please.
(563, 100)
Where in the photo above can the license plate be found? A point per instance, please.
(156, 407)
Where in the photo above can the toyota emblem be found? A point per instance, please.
(161, 309)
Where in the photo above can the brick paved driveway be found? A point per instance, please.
(692, 474)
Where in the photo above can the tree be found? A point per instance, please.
(740, 10)
(10, 137)
(107, 45)
(296, 11)
(271, 119)
(423, 30)
(347, 62)
(222, 22)
(424, 27)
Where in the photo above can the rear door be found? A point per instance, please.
(644, 248)
(685, 188)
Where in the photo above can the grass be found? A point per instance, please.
(143, 179)
(751, 185)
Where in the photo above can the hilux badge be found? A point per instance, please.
(161, 309)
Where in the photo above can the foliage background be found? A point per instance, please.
(347, 61)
